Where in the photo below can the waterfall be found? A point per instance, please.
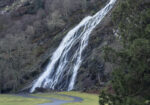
(61, 72)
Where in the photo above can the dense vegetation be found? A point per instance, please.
(131, 78)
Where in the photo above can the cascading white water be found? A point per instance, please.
(61, 72)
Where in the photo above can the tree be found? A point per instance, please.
(131, 78)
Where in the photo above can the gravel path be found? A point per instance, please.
(54, 100)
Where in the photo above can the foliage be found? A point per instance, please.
(131, 78)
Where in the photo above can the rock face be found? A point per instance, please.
(31, 30)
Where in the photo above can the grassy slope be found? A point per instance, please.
(17, 100)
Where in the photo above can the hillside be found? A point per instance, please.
(31, 30)
(92, 46)
(116, 61)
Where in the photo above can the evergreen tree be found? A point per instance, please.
(131, 78)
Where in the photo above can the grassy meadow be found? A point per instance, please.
(88, 99)
(18, 100)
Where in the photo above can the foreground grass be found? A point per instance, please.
(53, 95)
(18, 100)
(88, 99)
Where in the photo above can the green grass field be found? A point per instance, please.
(88, 99)
(18, 100)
